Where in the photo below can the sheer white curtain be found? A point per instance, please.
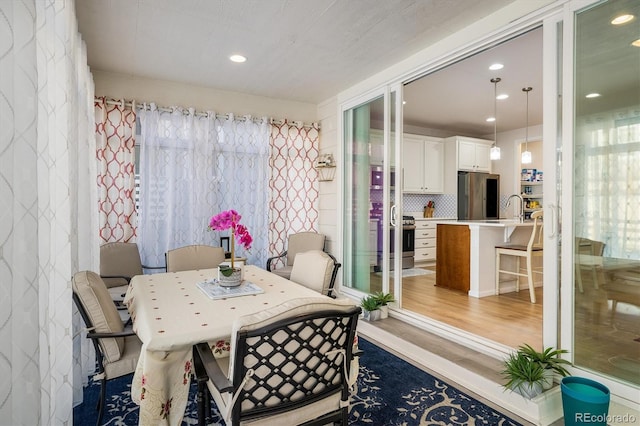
(48, 197)
(193, 166)
(606, 171)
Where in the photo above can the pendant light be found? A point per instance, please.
(495, 150)
(526, 155)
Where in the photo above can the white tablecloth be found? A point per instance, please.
(170, 314)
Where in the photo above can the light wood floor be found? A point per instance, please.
(510, 319)
(606, 339)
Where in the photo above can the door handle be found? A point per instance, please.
(393, 215)
(554, 225)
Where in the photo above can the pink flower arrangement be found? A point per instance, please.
(230, 219)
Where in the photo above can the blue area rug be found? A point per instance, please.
(389, 391)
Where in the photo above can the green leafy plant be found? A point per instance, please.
(524, 375)
(549, 359)
(369, 303)
(226, 270)
(383, 299)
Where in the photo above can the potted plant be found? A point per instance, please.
(230, 276)
(524, 375)
(383, 300)
(550, 361)
(371, 309)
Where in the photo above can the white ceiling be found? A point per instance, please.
(460, 97)
(303, 50)
(310, 50)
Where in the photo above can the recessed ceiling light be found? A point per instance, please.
(593, 95)
(490, 119)
(495, 67)
(622, 19)
(502, 96)
(237, 58)
(636, 43)
(404, 102)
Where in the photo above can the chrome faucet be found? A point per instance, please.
(521, 216)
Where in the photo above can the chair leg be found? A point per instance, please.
(497, 272)
(532, 291)
(517, 276)
(102, 401)
(579, 278)
(202, 412)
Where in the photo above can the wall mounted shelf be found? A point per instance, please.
(326, 173)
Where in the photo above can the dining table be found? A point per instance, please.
(171, 313)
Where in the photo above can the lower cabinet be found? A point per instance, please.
(425, 241)
(373, 242)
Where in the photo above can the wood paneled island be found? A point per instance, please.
(454, 249)
(465, 258)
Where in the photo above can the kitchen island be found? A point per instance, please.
(465, 258)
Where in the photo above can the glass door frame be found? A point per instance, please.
(567, 215)
(387, 92)
(558, 135)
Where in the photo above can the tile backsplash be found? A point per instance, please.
(445, 204)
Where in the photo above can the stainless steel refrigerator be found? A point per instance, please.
(478, 196)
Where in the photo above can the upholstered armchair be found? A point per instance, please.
(117, 350)
(316, 270)
(194, 257)
(296, 243)
(119, 262)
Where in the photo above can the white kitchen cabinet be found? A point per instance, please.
(376, 148)
(474, 154)
(425, 241)
(423, 164)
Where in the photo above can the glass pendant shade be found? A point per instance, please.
(495, 153)
(526, 157)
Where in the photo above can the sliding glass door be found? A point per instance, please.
(604, 196)
(370, 191)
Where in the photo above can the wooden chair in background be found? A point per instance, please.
(519, 251)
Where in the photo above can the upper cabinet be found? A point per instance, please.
(472, 154)
(376, 148)
(423, 164)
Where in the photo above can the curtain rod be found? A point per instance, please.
(146, 105)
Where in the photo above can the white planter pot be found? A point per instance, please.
(547, 382)
(384, 311)
(233, 280)
(529, 390)
(372, 315)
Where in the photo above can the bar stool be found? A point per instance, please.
(533, 248)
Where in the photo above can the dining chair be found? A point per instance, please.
(193, 257)
(528, 252)
(316, 270)
(119, 262)
(296, 243)
(117, 351)
(591, 248)
(289, 365)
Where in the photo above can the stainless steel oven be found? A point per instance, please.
(408, 245)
